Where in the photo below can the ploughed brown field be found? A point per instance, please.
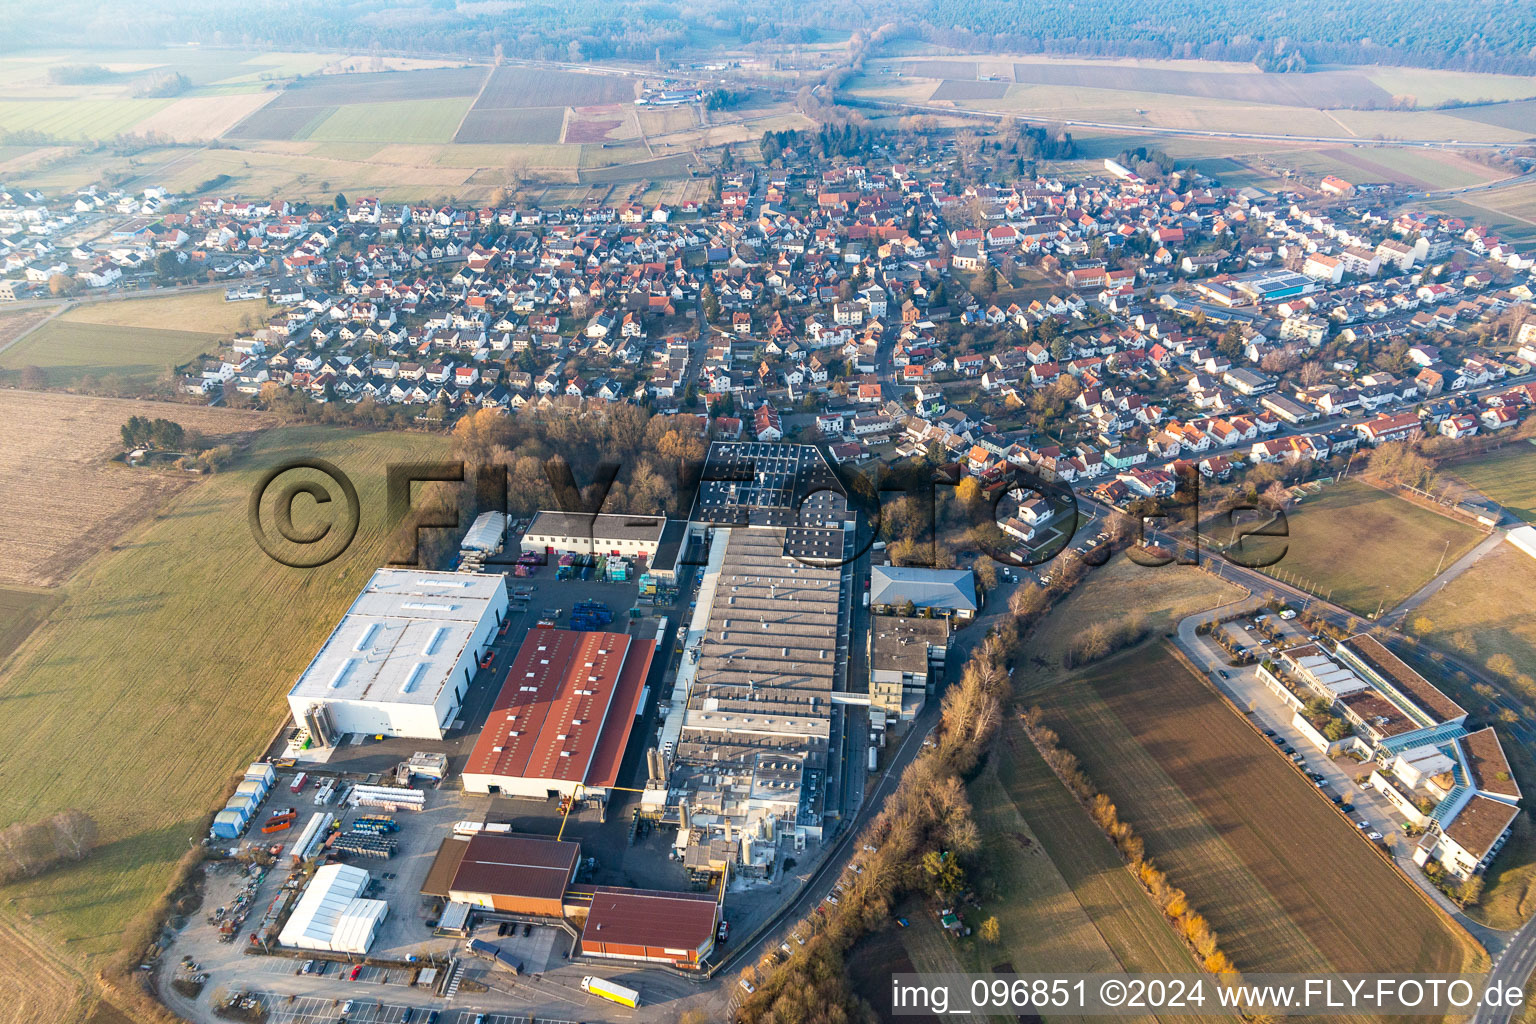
(1287, 882)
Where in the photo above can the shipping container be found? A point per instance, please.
(874, 758)
(297, 785)
(228, 825)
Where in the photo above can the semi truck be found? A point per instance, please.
(611, 991)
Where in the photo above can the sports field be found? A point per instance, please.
(1363, 548)
(190, 635)
(1283, 878)
(1507, 475)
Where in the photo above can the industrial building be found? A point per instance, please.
(332, 915)
(510, 874)
(940, 591)
(766, 650)
(676, 928)
(401, 659)
(906, 655)
(524, 876)
(563, 717)
(581, 533)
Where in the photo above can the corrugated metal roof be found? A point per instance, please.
(506, 865)
(564, 690)
(644, 917)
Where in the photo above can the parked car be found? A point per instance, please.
(356, 970)
(747, 986)
(1374, 836)
(527, 929)
(1362, 825)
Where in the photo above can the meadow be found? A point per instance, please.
(1365, 549)
(1486, 612)
(91, 356)
(188, 634)
(201, 312)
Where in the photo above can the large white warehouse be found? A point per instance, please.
(332, 916)
(401, 659)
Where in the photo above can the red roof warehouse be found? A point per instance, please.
(641, 924)
(563, 716)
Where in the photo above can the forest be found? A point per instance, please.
(1483, 35)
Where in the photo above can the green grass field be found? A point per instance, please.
(1507, 475)
(1280, 874)
(77, 119)
(1486, 611)
(203, 312)
(20, 612)
(1363, 548)
(161, 674)
(74, 354)
(406, 121)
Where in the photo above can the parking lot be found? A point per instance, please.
(313, 1010)
(1370, 812)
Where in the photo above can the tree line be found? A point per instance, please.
(1491, 36)
(1170, 899)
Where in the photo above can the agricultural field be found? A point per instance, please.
(541, 87)
(1317, 89)
(14, 325)
(91, 356)
(202, 118)
(403, 121)
(162, 629)
(963, 90)
(310, 102)
(1363, 548)
(1207, 95)
(1507, 475)
(1079, 904)
(40, 984)
(1283, 878)
(1519, 116)
(77, 120)
(511, 125)
(61, 498)
(600, 124)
